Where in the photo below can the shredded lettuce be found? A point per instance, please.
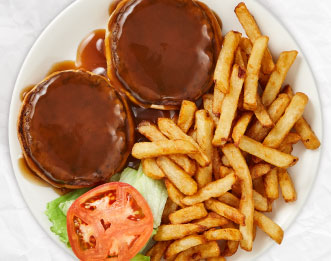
(57, 214)
(154, 191)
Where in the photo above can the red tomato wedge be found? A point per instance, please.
(110, 222)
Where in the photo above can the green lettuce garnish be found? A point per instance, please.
(141, 257)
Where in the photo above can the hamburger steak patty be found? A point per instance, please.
(75, 130)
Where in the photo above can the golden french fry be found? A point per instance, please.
(203, 251)
(253, 32)
(151, 132)
(258, 185)
(271, 184)
(142, 150)
(169, 207)
(226, 211)
(207, 100)
(188, 214)
(277, 77)
(261, 114)
(293, 112)
(177, 176)
(229, 106)
(260, 202)
(229, 199)
(286, 148)
(151, 169)
(269, 227)
(173, 232)
(231, 247)
(252, 74)
(218, 98)
(225, 60)
(246, 205)
(267, 154)
(224, 171)
(211, 190)
(172, 131)
(223, 234)
(257, 131)
(219, 258)
(211, 220)
(157, 251)
(238, 58)
(241, 125)
(186, 115)
(216, 163)
(263, 79)
(174, 194)
(309, 138)
(286, 186)
(292, 138)
(205, 130)
(259, 170)
(246, 46)
(225, 161)
(184, 243)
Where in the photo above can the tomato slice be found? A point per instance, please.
(110, 222)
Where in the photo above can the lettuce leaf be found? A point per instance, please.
(141, 257)
(57, 215)
(154, 191)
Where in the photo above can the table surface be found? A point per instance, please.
(22, 238)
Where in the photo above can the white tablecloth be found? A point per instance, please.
(21, 238)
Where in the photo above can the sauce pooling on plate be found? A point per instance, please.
(162, 51)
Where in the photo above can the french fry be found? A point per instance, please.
(203, 251)
(238, 58)
(263, 79)
(207, 101)
(225, 161)
(223, 234)
(142, 150)
(252, 74)
(229, 106)
(219, 258)
(169, 207)
(240, 127)
(267, 154)
(229, 199)
(253, 32)
(261, 114)
(246, 46)
(259, 170)
(309, 138)
(188, 214)
(211, 190)
(292, 138)
(231, 247)
(218, 98)
(216, 163)
(172, 131)
(186, 115)
(271, 184)
(269, 227)
(293, 112)
(260, 202)
(225, 60)
(151, 169)
(205, 131)
(157, 251)
(151, 132)
(224, 171)
(211, 220)
(184, 243)
(177, 176)
(173, 232)
(226, 211)
(246, 205)
(285, 61)
(174, 194)
(286, 186)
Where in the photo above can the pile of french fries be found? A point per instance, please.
(223, 164)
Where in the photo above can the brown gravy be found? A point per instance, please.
(171, 50)
(26, 90)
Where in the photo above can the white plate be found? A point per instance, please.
(59, 42)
